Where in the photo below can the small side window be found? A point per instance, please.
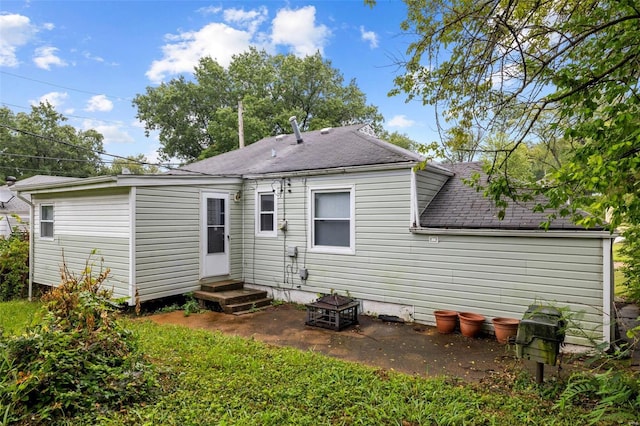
(266, 214)
(46, 221)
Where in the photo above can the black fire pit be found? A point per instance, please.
(333, 311)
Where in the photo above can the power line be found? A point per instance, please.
(168, 166)
(66, 87)
(75, 116)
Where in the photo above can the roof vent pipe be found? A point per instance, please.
(296, 129)
(11, 180)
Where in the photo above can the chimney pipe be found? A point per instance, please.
(296, 129)
(10, 180)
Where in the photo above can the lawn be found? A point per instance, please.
(211, 378)
(17, 315)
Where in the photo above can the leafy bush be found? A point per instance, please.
(613, 396)
(14, 266)
(75, 360)
(630, 250)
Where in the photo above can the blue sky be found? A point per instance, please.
(90, 58)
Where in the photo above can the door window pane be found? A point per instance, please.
(215, 225)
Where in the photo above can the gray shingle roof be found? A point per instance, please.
(14, 204)
(347, 146)
(459, 206)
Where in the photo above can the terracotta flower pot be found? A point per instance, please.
(446, 321)
(470, 323)
(505, 328)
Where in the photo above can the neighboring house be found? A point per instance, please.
(331, 210)
(14, 212)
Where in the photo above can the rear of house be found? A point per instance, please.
(340, 211)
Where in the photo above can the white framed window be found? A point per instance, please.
(332, 220)
(266, 213)
(46, 221)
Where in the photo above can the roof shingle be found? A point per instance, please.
(338, 147)
(459, 206)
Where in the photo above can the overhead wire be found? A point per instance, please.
(168, 166)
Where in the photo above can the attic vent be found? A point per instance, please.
(279, 137)
(325, 131)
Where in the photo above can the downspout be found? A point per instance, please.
(414, 201)
(132, 246)
(31, 228)
(607, 290)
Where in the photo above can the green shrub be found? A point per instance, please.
(75, 360)
(14, 266)
(612, 396)
(630, 250)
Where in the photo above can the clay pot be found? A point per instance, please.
(505, 328)
(446, 321)
(470, 323)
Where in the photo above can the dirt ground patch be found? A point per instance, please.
(407, 348)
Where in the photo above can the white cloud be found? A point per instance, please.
(400, 121)
(211, 10)
(113, 133)
(56, 99)
(370, 37)
(250, 20)
(99, 103)
(297, 29)
(184, 50)
(15, 31)
(91, 57)
(48, 26)
(46, 56)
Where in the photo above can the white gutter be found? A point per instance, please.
(132, 246)
(415, 219)
(103, 182)
(492, 232)
(607, 290)
(337, 170)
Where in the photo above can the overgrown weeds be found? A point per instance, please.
(76, 359)
(14, 266)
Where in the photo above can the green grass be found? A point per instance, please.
(211, 378)
(617, 257)
(15, 316)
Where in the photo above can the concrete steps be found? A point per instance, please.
(232, 297)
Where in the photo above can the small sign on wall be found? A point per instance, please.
(433, 239)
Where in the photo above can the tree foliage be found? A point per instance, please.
(562, 76)
(39, 142)
(200, 118)
(132, 164)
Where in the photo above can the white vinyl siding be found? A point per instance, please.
(168, 239)
(492, 275)
(82, 225)
(428, 184)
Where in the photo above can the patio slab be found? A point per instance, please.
(407, 348)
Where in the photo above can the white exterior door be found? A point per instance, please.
(214, 234)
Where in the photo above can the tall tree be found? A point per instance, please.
(511, 64)
(132, 164)
(199, 118)
(39, 142)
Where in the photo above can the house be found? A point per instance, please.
(14, 212)
(333, 210)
